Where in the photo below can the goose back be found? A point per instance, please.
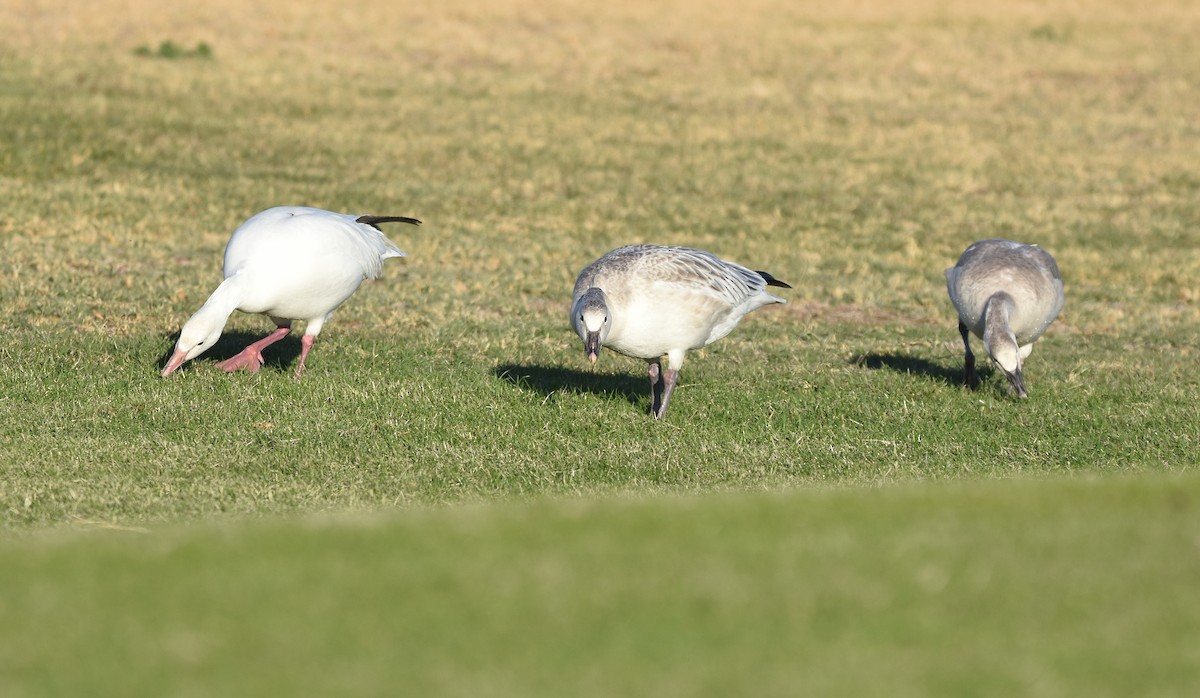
(303, 262)
(1027, 273)
(665, 298)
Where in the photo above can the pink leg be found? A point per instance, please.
(306, 343)
(251, 357)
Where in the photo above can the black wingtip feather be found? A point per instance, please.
(771, 280)
(374, 221)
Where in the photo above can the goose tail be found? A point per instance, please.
(374, 221)
(772, 281)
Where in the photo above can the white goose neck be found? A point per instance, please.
(224, 300)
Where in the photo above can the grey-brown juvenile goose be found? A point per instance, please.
(1006, 293)
(645, 301)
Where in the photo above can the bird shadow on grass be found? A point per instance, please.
(278, 356)
(547, 380)
(902, 363)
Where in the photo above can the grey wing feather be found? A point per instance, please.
(731, 282)
(1048, 260)
(683, 266)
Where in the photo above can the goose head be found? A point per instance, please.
(1007, 356)
(198, 335)
(592, 321)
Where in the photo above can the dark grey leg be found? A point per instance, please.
(670, 377)
(969, 378)
(655, 386)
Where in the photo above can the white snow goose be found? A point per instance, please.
(1006, 293)
(645, 301)
(289, 263)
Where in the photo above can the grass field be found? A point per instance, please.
(452, 499)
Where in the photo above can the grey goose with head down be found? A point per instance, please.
(1006, 293)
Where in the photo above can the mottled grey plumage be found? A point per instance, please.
(1006, 293)
(645, 301)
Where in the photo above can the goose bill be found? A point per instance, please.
(176, 361)
(591, 345)
(1017, 382)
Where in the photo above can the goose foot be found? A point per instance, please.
(251, 357)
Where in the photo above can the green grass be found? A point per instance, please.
(1036, 588)
(851, 152)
